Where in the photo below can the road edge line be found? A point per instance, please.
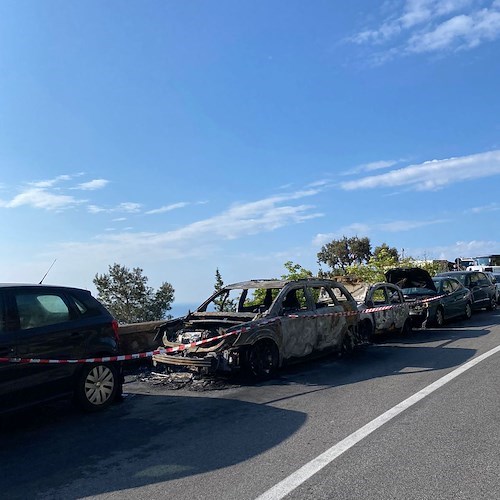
(294, 480)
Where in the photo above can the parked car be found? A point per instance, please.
(394, 312)
(275, 322)
(55, 322)
(432, 300)
(495, 279)
(484, 291)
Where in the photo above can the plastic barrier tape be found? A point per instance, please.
(182, 347)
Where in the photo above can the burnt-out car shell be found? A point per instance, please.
(382, 308)
(274, 322)
(410, 277)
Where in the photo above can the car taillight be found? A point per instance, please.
(114, 324)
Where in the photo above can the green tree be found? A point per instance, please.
(222, 303)
(340, 254)
(128, 297)
(295, 271)
(385, 251)
(385, 258)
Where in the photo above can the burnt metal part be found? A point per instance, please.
(275, 322)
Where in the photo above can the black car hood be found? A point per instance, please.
(413, 277)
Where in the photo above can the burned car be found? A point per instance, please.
(382, 308)
(432, 300)
(257, 326)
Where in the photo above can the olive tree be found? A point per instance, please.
(340, 254)
(128, 297)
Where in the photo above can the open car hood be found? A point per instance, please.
(413, 277)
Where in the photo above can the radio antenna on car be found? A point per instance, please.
(48, 270)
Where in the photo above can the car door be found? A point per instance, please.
(461, 295)
(298, 328)
(45, 330)
(330, 321)
(448, 299)
(8, 371)
(478, 286)
(400, 309)
(383, 319)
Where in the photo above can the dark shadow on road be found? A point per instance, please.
(143, 440)
(391, 356)
(56, 452)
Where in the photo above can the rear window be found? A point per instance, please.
(86, 304)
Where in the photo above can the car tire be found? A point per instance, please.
(347, 346)
(439, 317)
(468, 311)
(366, 330)
(493, 304)
(262, 360)
(97, 386)
(407, 327)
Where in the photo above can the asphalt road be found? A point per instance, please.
(247, 441)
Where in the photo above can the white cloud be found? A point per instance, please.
(167, 208)
(433, 174)
(40, 198)
(472, 248)
(370, 167)
(368, 228)
(93, 185)
(459, 32)
(50, 182)
(492, 207)
(94, 209)
(424, 26)
(127, 207)
(240, 220)
(46, 194)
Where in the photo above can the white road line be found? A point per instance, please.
(294, 480)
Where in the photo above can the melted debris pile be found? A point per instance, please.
(184, 380)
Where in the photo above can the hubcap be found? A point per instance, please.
(99, 385)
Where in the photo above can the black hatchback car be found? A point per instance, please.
(59, 323)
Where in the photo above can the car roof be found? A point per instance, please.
(275, 283)
(441, 277)
(454, 273)
(40, 286)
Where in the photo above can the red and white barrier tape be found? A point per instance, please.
(182, 347)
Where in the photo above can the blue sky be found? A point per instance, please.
(181, 137)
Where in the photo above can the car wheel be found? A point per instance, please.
(468, 311)
(97, 387)
(493, 304)
(406, 330)
(439, 318)
(347, 346)
(366, 330)
(262, 360)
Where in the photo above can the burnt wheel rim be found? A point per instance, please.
(262, 359)
(99, 385)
